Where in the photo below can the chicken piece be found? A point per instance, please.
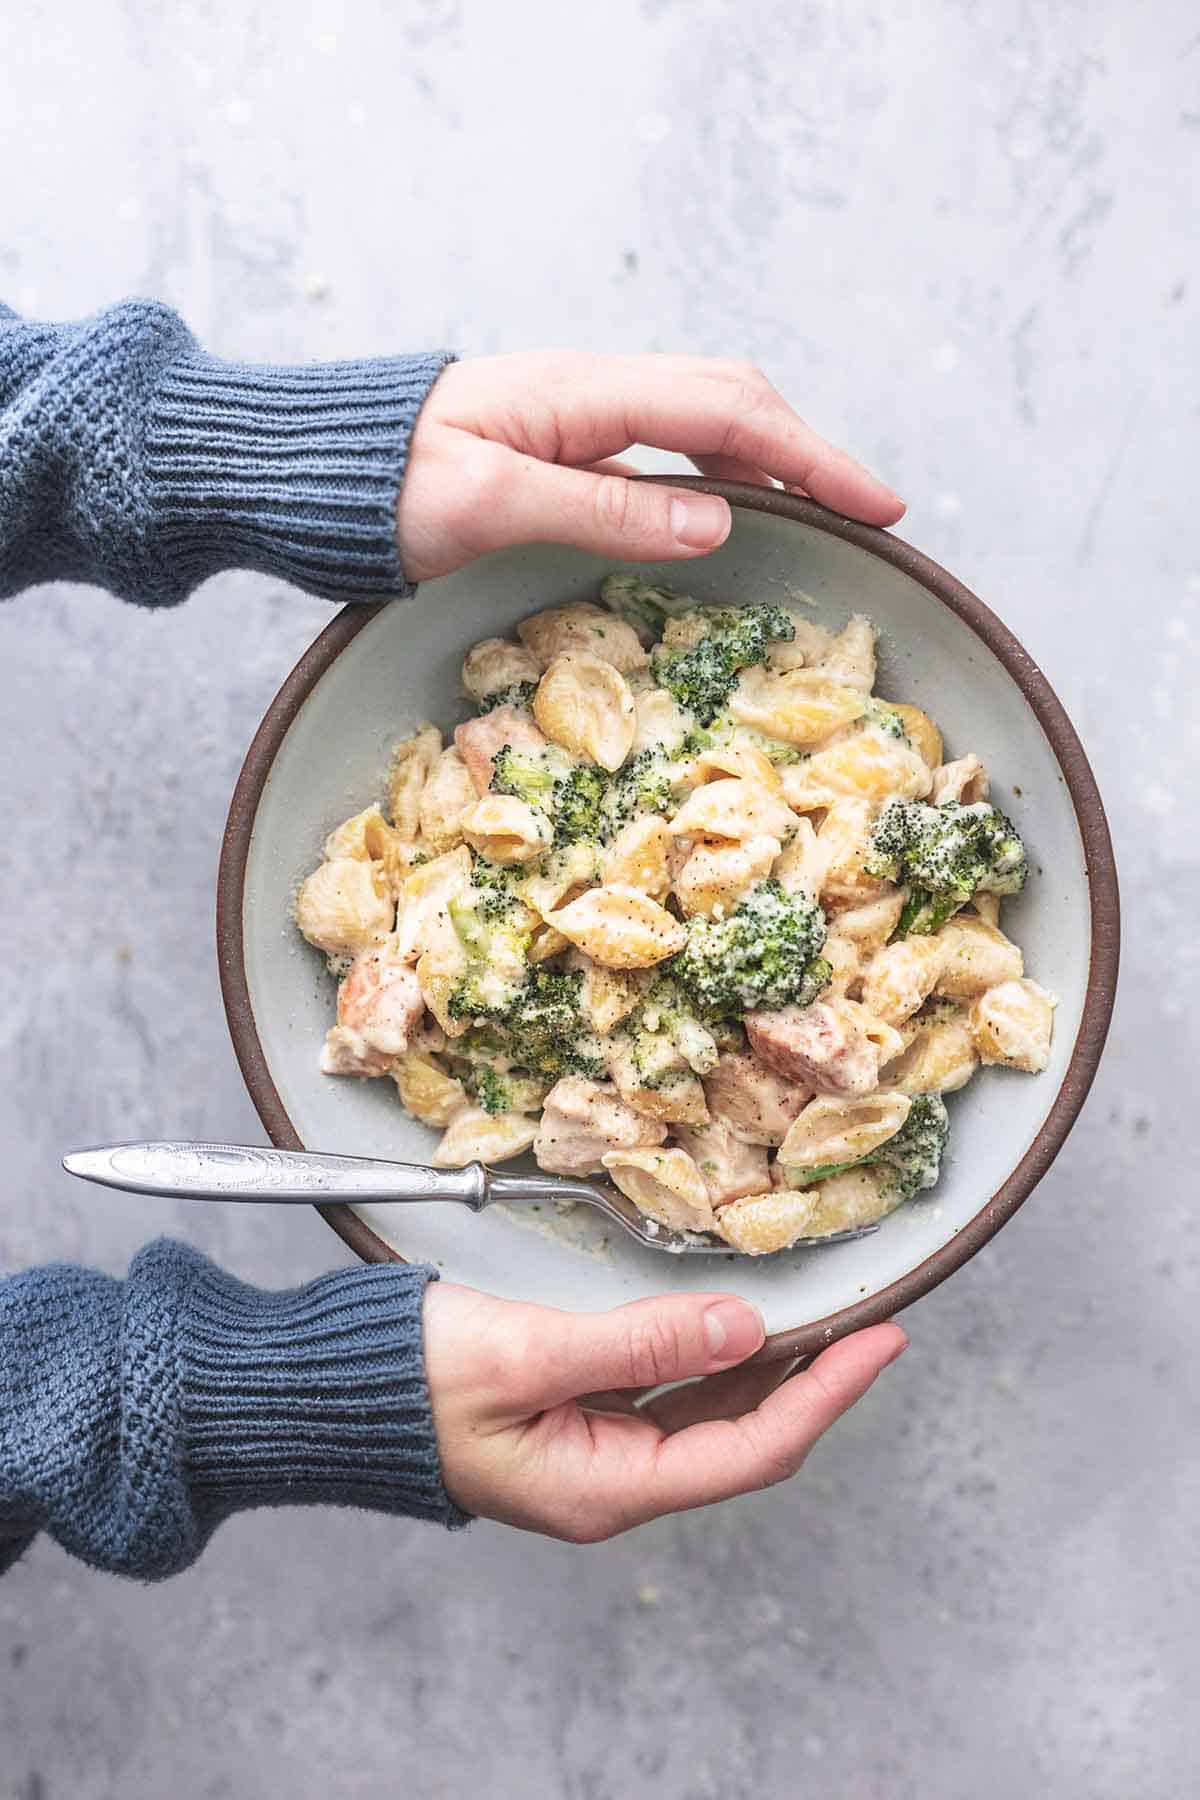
(582, 628)
(495, 663)
(730, 1167)
(479, 740)
(582, 1120)
(755, 1103)
(835, 1046)
(345, 1053)
(378, 1005)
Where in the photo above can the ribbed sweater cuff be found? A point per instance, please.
(292, 471)
(313, 1395)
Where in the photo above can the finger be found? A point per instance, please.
(728, 468)
(714, 1461)
(745, 419)
(643, 1344)
(725, 1396)
(613, 465)
(531, 502)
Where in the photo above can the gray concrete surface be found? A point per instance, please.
(962, 238)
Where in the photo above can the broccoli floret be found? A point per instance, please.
(489, 1089)
(541, 1024)
(529, 776)
(546, 1027)
(642, 785)
(666, 1015)
(503, 1090)
(912, 1159)
(642, 604)
(702, 676)
(924, 913)
(726, 733)
(765, 953)
(568, 794)
(494, 896)
(577, 800)
(517, 693)
(946, 854)
(497, 959)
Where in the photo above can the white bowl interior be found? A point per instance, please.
(403, 667)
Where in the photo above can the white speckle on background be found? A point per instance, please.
(652, 128)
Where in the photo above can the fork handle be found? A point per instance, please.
(249, 1172)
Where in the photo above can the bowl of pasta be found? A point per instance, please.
(775, 891)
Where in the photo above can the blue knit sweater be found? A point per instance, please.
(135, 1415)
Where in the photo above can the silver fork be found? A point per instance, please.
(247, 1172)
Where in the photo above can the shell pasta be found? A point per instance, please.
(684, 905)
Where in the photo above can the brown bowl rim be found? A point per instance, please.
(801, 1340)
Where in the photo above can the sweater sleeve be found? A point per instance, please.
(135, 1415)
(131, 459)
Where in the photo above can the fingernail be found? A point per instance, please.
(700, 522)
(733, 1328)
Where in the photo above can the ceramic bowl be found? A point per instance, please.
(322, 752)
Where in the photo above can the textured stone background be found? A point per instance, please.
(958, 237)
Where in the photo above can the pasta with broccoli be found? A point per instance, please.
(687, 906)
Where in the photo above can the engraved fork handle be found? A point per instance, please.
(248, 1172)
(308, 1177)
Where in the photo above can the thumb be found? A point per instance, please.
(648, 1342)
(532, 502)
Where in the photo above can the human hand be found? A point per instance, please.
(505, 1380)
(518, 450)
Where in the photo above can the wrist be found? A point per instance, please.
(312, 1395)
(291, 471)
